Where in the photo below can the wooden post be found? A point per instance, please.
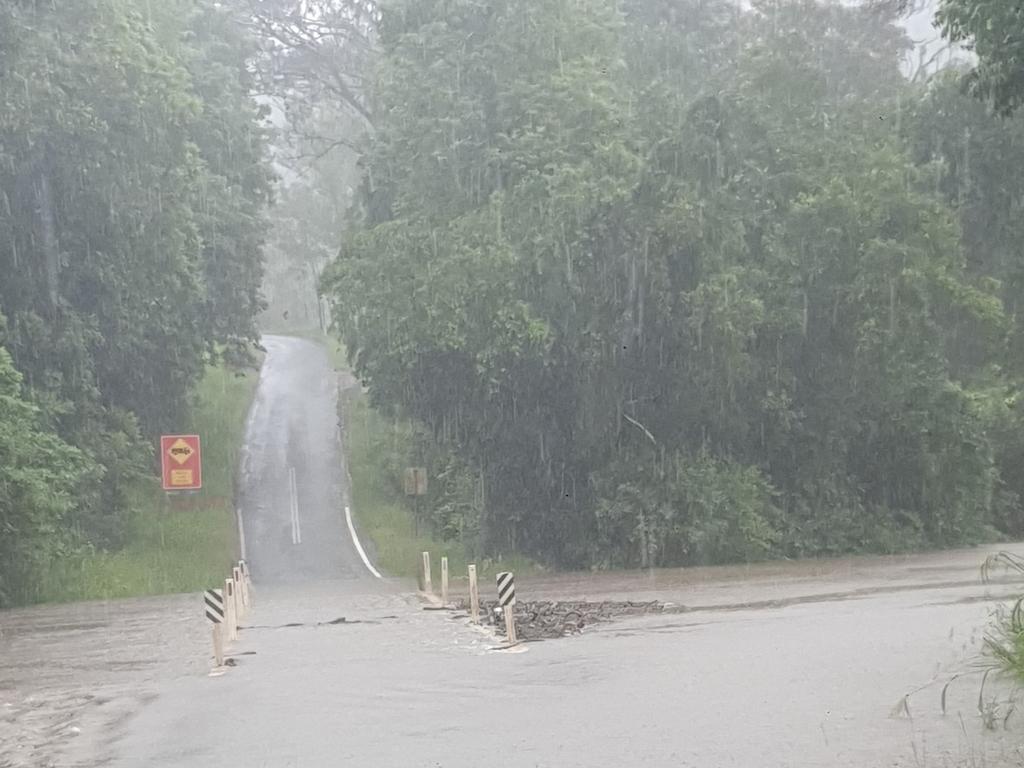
(229, 610)
(236, 576)
(507, 600)
(218, 645)
(474, 596)
(444, 580)
(427, 586)
(510, 624)
(248, 583)
(243, 584)
(213, 600)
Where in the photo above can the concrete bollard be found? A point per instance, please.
(474, 596)
(427, 586)
(444, 580)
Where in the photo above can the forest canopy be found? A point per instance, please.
(675, 282)
(133, 183)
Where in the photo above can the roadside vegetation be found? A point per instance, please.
(399, 528)
(673, 284)
(180, 543)
(134, 180)
(1004, 643)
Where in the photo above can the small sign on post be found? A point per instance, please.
(415, 481)
(507, 601)
(181, 462)
(474, 596)
(214, 601)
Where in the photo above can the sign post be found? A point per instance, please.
(181, 463)
(414, 481)
(444, 580)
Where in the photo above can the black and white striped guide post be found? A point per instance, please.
(213, 599)
(507, 601)
(506, 589)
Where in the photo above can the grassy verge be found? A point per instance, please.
(1004, 642)
(180, 544)
(375, 448)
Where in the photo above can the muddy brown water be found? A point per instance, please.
(766, 666)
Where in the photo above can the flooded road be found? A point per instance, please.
(817, 663)
(810, 682)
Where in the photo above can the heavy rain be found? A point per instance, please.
(515, 382)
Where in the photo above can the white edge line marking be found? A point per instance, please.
(359, 547)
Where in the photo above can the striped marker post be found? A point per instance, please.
(214, 601)
(507, 600)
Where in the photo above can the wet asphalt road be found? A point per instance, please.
(781, 664)
(292, 489)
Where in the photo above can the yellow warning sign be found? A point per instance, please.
(181, 452)
(181, 477)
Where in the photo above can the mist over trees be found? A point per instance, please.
(133, 183)
(680, 282)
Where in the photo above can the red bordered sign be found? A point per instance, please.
(181, 461)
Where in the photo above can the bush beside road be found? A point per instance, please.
(179, 544)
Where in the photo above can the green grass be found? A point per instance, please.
(180, 544)
(1004, 643)
(374, 447)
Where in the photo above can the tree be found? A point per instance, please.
(674, 292)
(994, 30)
(39, 477)
(133, 180)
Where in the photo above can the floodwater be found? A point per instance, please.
(818, 663)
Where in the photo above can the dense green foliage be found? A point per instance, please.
(132, 188)
(994, 30)
(678, 283)
(174, 543)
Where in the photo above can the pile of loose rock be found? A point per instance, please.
(542, 620)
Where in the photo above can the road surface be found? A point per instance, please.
(292, 489)
(780, 664)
